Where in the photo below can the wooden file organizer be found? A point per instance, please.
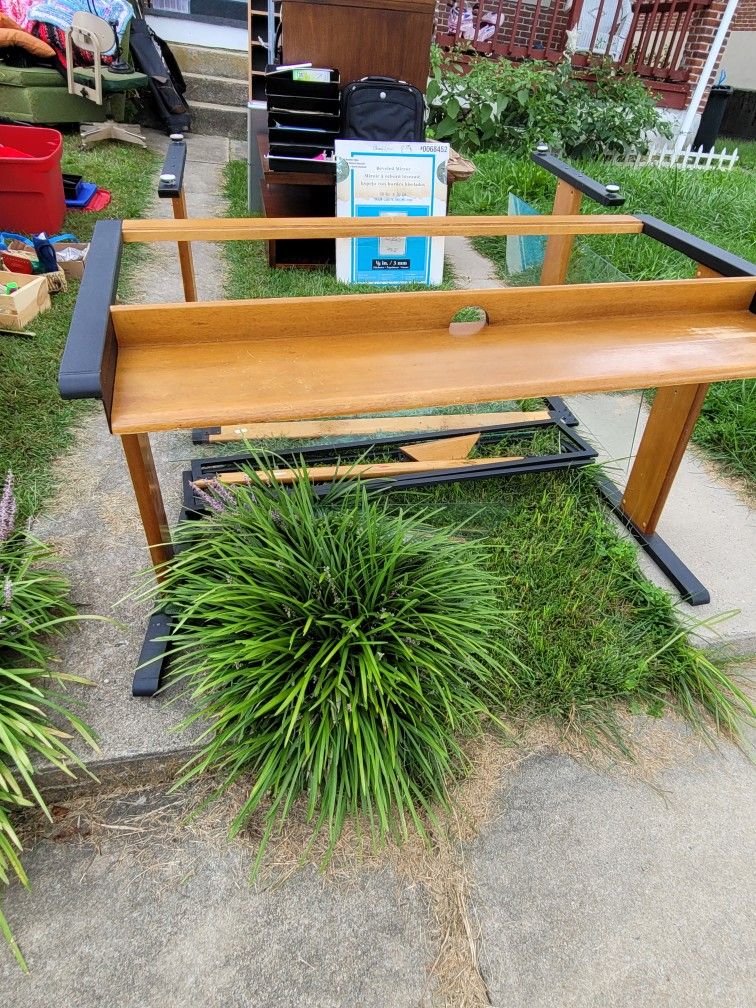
(167, 366)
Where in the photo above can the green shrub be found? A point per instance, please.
(33, 605)
(334, 651)
(515, 105)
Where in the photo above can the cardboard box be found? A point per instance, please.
(20, 307)
(73, 270)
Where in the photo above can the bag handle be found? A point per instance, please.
(383, 80)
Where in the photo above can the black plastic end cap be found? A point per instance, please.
(152, 656)
(202, 434)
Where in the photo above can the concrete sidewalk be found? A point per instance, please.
(582, 889)
(94, 524)
(597, 893)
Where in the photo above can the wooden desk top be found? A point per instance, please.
(193, 365)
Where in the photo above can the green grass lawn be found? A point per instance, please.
(593, 634)
(746, 150)
(36, 425)
(717, 206)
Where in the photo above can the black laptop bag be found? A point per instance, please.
(382, 108)
(152, 56)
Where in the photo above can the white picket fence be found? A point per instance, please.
(668, 157)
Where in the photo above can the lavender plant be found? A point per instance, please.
(33, 607)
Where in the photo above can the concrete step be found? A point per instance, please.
(219, 120)
(215, 62)
(215, 90)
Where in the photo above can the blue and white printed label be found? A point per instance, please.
(375, 179)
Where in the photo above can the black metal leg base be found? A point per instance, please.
(561, 411)
(152, 659)
(668, 562)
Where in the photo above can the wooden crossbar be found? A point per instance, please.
(262, 430)
(360, 470)
(247, 229)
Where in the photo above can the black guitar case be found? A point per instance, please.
(152, 56)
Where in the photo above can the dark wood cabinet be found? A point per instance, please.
(361, 38)
(296, 194)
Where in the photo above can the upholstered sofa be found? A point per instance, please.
(39, 94)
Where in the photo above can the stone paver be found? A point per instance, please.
(593, 892)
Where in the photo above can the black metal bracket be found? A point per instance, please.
(669, 563)
(201, 435)
(171, 179)
(561, 411)
(589, 187)
(700, 251)
(152, 658)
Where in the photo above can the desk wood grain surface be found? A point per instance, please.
(194, 365)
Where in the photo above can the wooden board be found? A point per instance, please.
(252, 228)
(443, 448)
(705, 272)
(200, 365)
(361, 470)
(668, 429)
(372, 425)
(556, 258)
(375, 319)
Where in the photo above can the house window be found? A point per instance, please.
(170, 6)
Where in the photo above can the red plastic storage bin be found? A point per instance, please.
(31, 184)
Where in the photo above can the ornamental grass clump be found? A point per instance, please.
(33, 607)
(335, 652)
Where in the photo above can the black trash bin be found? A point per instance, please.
(711, 120)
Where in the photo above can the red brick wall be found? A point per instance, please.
(703, 29)
(745, 16)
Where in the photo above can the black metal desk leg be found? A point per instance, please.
(665, 558)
